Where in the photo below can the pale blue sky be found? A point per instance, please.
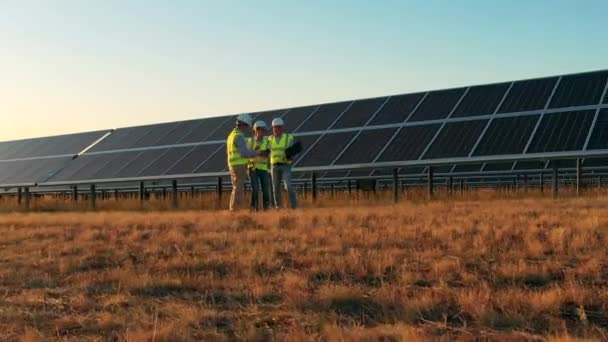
(71, 65)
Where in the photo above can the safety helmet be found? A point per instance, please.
(244, 118)
(259, 124)
(277, 122)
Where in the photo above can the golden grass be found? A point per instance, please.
(525, 268)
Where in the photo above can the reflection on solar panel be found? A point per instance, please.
(599, 136)
(397, 109)
(579, 90)
(409, 143)
(528, 95)
(296, 116)
(178, 132)
(365, 148)
(22, 171)
(70, 144)
(203, 129)
(481, 100)
(359, 113)
(503, 127)
(324, 117)
(456, 139)
(437, 105)
(215, 163)
(507, 136)
(165, 161)
(326, 150)
(562, 132)
(192, 160)
(221, 132)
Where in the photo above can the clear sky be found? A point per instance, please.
(71, 65)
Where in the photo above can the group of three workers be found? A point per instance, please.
(254, 157)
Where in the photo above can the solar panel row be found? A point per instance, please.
(523, 127)
(70, 144)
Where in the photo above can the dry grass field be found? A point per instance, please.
(480, 267)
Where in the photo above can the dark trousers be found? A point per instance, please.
(260, 180)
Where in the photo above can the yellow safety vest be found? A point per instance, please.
(232, 151)
(277, 148)
(258, 163)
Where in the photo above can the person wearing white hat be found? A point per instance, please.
(280, 163)
(238, 155)
(259, 166)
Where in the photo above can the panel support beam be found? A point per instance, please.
(93, 197)
(555, 179)
(314, 187)
(27, 198)
(174, 194)
(395, 185)
(579, 176)
(430, 182)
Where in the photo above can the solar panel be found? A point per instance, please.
(215, 163)
(409, 143)
(324, 117)
(192, 160)
(397, 109)
(177, 133)
(342, 139)
(165, 161)
(359, 113)
(481, 100)
(579, 90)
(599, 136)
(456, 139)
(222, 132)
(204, 129)
(296, 116)
(307, 142)
(69, 144)
(29, 171)
(71, 168)
(528, 95)
(437, 105)
(326, 149)
(365, 148)
(153, 135)
(118, 161)
(507, 136)
(135, 166)
(122, 138)
(566, 131)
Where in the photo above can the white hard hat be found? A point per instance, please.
(259, 124)
(245, 118)
(277, 122)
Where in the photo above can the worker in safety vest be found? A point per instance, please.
(259, 166)
(280, 165)
(238, 157)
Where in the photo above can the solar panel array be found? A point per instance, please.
(485, 128)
